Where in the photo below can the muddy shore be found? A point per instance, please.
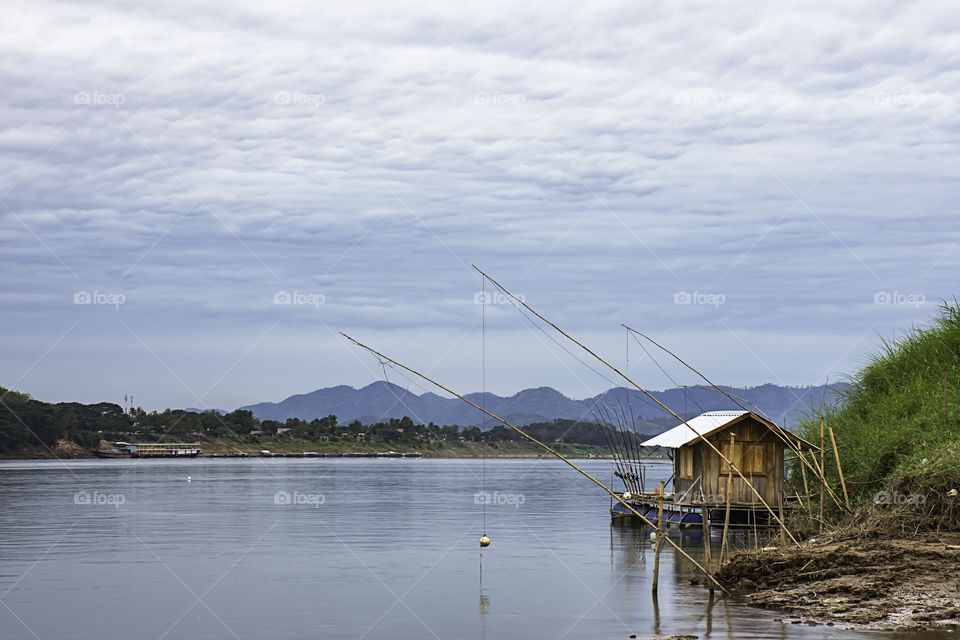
(875, 582)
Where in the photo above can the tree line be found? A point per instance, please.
(26, 422)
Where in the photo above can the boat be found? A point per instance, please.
(151, 450)
(112, 453)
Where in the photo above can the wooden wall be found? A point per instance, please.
(759, 456)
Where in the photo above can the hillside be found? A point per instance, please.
(384, 400)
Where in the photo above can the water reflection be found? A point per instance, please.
(683, 605)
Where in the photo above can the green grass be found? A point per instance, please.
(892, 434)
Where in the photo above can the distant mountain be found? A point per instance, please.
(384, 400)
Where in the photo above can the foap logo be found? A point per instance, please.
(699, 98)
(696, 297)
(98, 99)
(497, 498)
(299, 99)
(896, 99)
(99, 498)
(500, 99)
(299, 499)
(914, 300)
(887, 497)
(98, 297)
(299, 298)
(484, 297)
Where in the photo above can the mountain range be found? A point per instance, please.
(382, 400)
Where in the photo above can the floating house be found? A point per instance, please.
(755, 445)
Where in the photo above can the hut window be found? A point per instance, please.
(685, 462)
(748, 456)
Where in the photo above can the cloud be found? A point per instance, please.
(600, 159)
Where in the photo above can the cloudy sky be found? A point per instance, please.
(196, 198)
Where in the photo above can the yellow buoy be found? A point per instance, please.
(484, 541)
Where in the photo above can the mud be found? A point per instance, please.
(909, 584)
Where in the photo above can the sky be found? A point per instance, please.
(196, 198)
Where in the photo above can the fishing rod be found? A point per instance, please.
(545, 447)
(649, 395)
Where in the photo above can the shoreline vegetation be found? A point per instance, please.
(31, 429)
(64, 450)
(882, 552)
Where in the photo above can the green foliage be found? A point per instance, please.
(891, 431)
(27, 424)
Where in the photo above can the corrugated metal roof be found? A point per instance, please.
(686, 433)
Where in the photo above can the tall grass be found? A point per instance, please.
(892, 435)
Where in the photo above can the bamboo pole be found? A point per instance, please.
(726, 515)
(541, 445)
(656, 543)
(705, 519)
(645, 392)
(806, 488)
(824, 483)
(836, 454)
(783, 539)
(705, 515)
(781, 433)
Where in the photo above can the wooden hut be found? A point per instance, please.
(754, 444)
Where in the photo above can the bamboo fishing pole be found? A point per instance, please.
(631, 441)
(614, 447)
(649, 395)
(780, 432)
(822, 471)
(542, 445)
(622, 444)
(836, 454)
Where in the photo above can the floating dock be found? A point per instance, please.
(686, 515)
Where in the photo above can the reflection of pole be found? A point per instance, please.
(656, 544)
(656, 615)
(710, 614)
(726, 515)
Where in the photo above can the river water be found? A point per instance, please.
(341, 548)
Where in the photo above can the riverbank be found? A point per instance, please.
(873, 581)
(287, 447)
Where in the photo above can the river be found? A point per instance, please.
(341, 548)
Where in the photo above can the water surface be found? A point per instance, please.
(341, 548)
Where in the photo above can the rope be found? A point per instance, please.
(483, 399)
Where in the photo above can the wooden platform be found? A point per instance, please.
(685, 515)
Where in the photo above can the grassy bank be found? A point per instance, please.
(888, 561)
(899, 448)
